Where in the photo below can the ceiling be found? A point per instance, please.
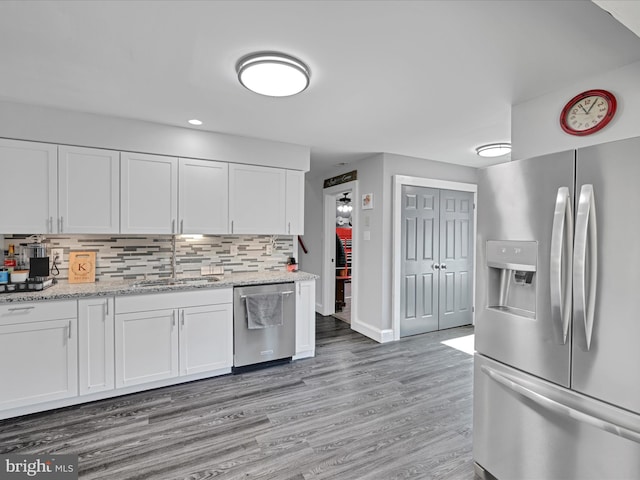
(428, 79)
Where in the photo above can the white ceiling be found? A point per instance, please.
(429, 79)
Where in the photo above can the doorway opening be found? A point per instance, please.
(339, 272)
(344, 255)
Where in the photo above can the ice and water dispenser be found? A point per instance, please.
(512, 277)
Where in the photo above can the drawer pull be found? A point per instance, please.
(18, 309)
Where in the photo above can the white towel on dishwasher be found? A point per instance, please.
(264, 310)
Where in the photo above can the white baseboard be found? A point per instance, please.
(380, 336)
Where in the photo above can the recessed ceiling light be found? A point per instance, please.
(494, 149)
(273, 74)
(195, 121)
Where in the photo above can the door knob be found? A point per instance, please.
(443, 266)
(436, 266)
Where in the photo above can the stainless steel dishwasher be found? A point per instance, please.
(264, 325)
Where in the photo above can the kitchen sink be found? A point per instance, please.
(161, 282)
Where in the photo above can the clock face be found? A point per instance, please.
(588, 112)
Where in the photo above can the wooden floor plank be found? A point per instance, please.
(358, 410)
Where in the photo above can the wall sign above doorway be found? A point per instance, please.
(339, 179)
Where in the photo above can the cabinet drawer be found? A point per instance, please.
(162, 301)
(37, 311)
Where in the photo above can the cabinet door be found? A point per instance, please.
(39, 362)
(88, 190)
(257, 199)
(30, 176)
(146, 347)
(305, 318)
(96, 343)
(295, 202)
(149, 194)
(206, 338)
(203, 203)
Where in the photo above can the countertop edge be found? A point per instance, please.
(66, 291)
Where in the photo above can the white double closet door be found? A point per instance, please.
(437, 259)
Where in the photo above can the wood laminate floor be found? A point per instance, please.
(358, 410)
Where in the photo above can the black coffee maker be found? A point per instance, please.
(39, 276)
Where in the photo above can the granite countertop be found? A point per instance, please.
(65, 290)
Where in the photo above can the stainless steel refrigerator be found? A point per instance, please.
(557, 364)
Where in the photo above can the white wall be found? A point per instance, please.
(44, 124)
(535, 127)
(313, 232)
(374, 273)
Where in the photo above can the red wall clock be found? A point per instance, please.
(588, 112)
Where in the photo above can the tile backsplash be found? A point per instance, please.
(126, 257)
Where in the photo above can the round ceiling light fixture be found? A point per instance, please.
(494, 150)
(273, 74)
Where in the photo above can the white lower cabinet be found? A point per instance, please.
(305, 319)
(193, 336)
(39, 353)
(95, 345)
(146, 347)
(206, 338)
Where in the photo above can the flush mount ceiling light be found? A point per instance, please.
(195, 121)
(273, 74)
(494, 149)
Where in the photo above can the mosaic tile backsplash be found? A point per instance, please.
(130, 257)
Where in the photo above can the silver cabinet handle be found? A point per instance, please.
(173, 320)
(18, 309)
(107, 307)
(182, 312)
(586, 234)
(436, 266)
(561, 263)
(69, 328)
(560, 408)
(231, 226)
(61, 224)
(181, 226)
(173, 226)
(289, 228)
(50, 225)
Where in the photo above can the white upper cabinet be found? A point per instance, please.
(203, 204)
(295, 202)
(257, 199)
(88, 190)
(29, 188)
(65, 189)
(148, 194)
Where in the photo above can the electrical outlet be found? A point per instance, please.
(269, 249)
(57, 256)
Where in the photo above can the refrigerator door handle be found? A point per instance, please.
(562, 253)
(586, 235)
(561, 408)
